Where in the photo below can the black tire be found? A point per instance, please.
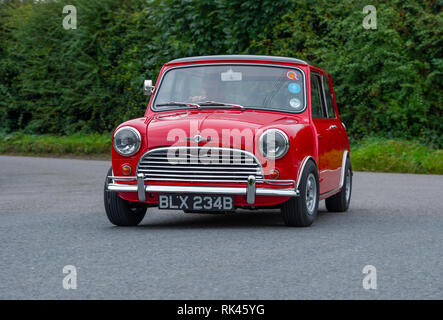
(119, 211)
(339, 202)
(295, 211)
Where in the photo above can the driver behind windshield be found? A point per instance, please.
(208, 91)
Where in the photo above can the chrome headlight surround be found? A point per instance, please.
(281, 144)
(127, 141)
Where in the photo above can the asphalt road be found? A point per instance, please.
(52, 215)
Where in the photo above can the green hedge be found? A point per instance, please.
(388, 81)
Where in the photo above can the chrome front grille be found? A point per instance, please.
(202, 164)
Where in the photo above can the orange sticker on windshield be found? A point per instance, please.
(291, 75)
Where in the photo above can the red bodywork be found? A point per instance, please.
(308, 137)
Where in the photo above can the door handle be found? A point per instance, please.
(332, 127)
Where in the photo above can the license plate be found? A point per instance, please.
(195, 202)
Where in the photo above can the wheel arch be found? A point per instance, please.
(302, 168)
(343, 167)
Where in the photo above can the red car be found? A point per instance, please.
(228, 132)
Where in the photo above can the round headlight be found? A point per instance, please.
(273, 144)
(127, 141)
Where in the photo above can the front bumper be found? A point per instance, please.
(289, 188)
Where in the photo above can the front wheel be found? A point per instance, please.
(301, 211)
(119, 211)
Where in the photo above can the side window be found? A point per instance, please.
(328, 95)
(316, 98)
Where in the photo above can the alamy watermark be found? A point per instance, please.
(70, 280)
(70, 21)
(370, 20)
(370, 280)
(204, 145)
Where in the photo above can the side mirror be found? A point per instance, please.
(148, 88)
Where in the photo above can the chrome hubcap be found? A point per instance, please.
(311, 193)
(348, 186)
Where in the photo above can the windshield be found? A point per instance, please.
(232, 86)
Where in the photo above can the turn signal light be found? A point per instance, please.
(126, 170)
(274, 174)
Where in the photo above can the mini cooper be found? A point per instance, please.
(229, 132)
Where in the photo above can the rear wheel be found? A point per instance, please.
(121, 212)
(301, 211)
(340, 201)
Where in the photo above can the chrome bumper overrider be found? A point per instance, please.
(250, 191)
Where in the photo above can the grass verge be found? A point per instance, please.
(371, 154)
(387, 155)
(91, 146)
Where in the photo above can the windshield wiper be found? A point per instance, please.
(221, 104)
(179, 104)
